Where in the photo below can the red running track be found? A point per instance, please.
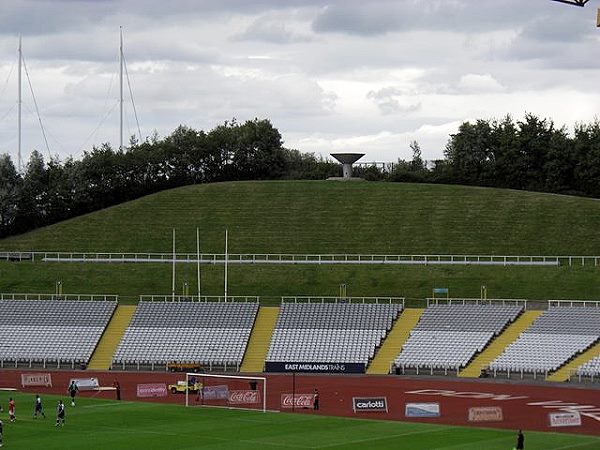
(525, 406)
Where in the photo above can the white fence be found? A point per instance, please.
(291, 258)
(94, 297)
(203, 298)
(476, 301)
(309, 299)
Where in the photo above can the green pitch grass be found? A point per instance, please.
(100, 424)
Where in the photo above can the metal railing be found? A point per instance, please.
(321, 299)
(16, 256)
(574, 303)
(476, 301)
(91, 297)
(291, 258)
(202, 299)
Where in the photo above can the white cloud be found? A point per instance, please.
(477, 83)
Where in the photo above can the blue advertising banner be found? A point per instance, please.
(422, 410)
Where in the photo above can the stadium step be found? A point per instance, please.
(394, 341)
(260, 338)
(564, 372)
(102, 356)
(497, 346)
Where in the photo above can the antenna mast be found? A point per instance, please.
(121, 90)
(19, 103)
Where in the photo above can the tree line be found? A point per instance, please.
(50, 191)
(531, 154)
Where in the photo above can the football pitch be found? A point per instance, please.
(102, 424)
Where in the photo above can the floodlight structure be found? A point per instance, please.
(582, 4)
(573, 2)
(347, 159)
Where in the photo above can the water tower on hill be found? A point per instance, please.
(347, 159)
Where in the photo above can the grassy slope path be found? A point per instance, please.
(323, 217)
(313, 217)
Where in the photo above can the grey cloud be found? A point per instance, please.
(393, 100)
(271, 30)
(381, 17)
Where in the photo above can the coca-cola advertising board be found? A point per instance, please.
(244, 397)
(297, 400)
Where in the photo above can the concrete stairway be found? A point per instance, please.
(102, 356)
(563, 373)
(497, 346)
(394, 341)
(260, 338)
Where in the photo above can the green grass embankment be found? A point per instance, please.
(323, 218)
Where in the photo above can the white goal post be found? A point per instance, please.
(259, 385)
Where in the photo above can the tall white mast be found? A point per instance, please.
(226, 258)
(121, 89)
(198, 258)
(19, 103)
(173, 275)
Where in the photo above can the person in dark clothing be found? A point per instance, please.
(38, 408)
(117, 387)
(316, 400)
(1, 431)
(60, 414)
(520, 441)
(73, 391)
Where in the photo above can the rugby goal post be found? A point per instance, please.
(226, 391)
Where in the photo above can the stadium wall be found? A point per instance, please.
(525, 406)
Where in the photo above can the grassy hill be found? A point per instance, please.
(324, 217)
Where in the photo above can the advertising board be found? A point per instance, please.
(309, 367)
(485, 414)
(244, 397)
(289, 400)
(86, 384)
(369, 404)
(36, 379)
(565, 419)
(422, 410)
(151, 390)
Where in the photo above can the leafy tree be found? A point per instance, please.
(10, 185)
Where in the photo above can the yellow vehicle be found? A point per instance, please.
(181, 386)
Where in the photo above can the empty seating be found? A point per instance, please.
(52, 331)
(555, 337)
(590, 368)
(330, 332)
(211, 333)
(448, 336)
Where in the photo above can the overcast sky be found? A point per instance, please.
(342, 75)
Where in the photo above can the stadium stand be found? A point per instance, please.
(448, 336)
(330, 332)
(213, 334)
(590, 368)
(554, 338)
(51, 332)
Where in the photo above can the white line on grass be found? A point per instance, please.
(580, 445)
(251, 441)
(138, 431)
(388, 436)
(103, 405)
(476, 444)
